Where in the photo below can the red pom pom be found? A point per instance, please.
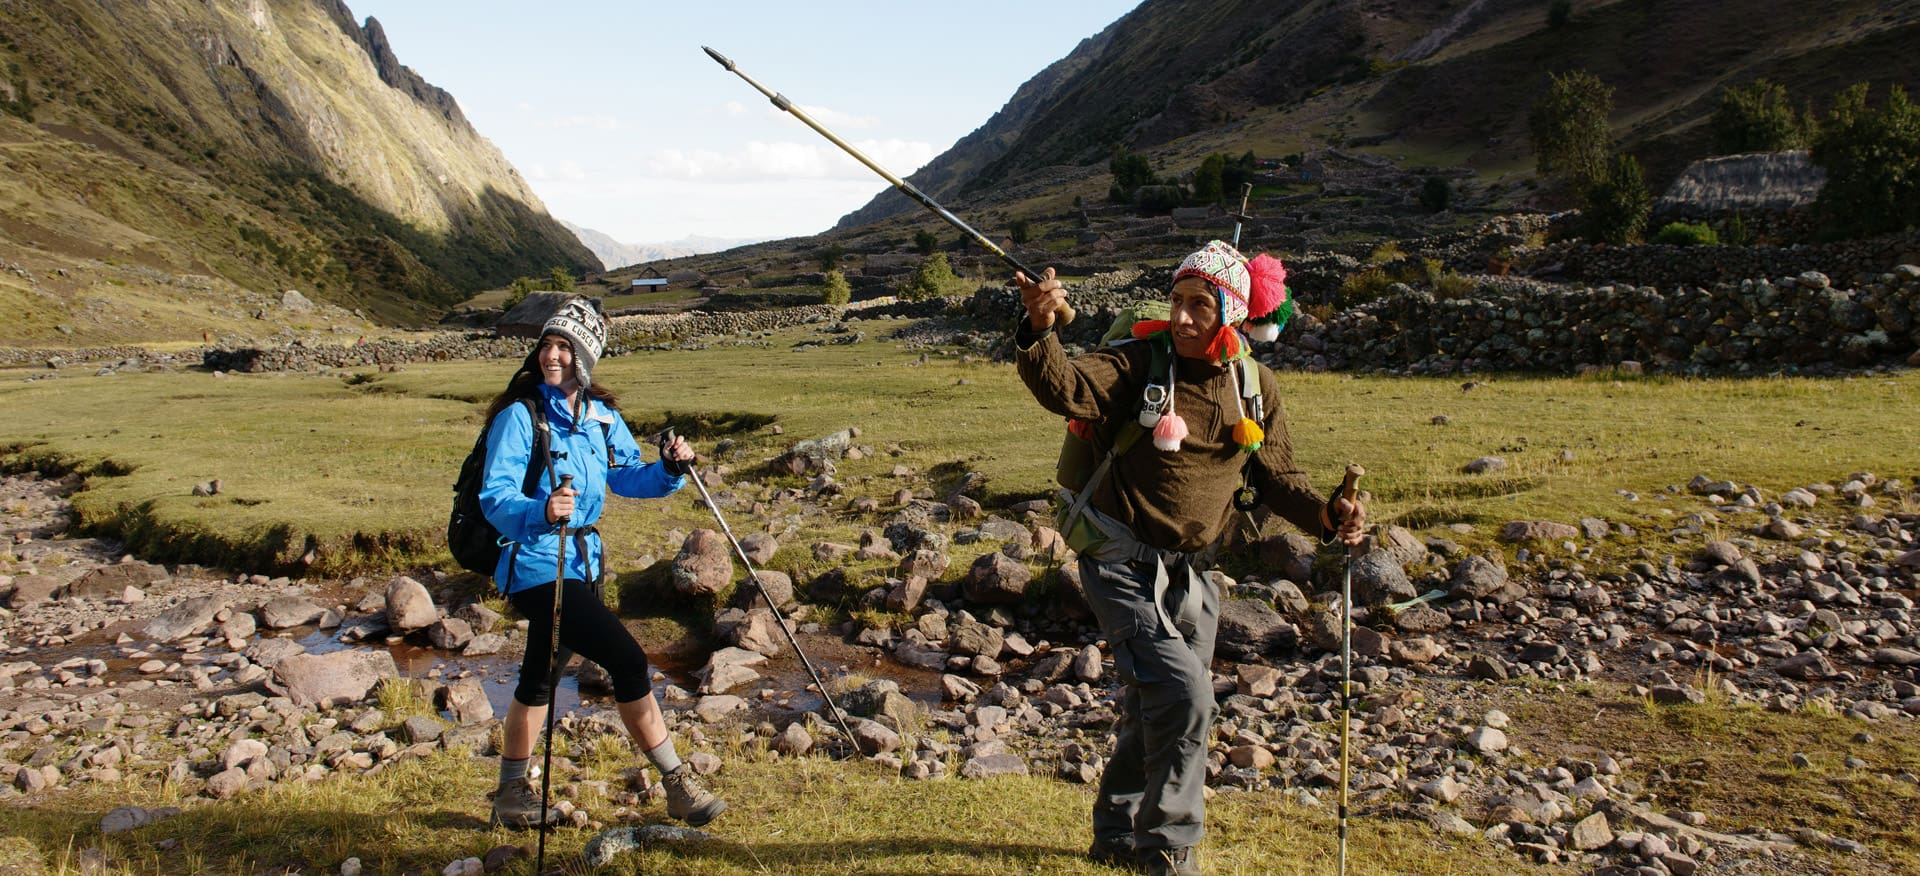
(1269, 280)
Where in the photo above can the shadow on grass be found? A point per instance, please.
(916, 856)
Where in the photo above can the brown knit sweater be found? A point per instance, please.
(1178, 501)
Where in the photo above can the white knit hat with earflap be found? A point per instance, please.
(583, 322)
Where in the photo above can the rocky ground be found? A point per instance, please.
(223, 682)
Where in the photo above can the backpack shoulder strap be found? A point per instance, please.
(538, 459)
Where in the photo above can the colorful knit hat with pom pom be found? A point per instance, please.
(1251, 291)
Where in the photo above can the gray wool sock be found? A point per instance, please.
(664, 757)
(513, 770)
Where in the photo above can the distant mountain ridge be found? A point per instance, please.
(617, 254)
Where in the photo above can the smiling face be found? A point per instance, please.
(1195, 316)
(556, 362)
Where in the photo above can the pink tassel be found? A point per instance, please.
(1171, 430)
(1268, 277)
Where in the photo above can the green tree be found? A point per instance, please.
(522, 286)
(1558, 13)
(560, 279)
(1872, 161)
(836, 290)
(1756, 117)
(1436, 194)
(926, 241)
(829, 256)
(1571, 136)
(1130, 171)
(1236, 174)
(1617, 204)
(1020, 230)
(1208, 184)
(934, 278)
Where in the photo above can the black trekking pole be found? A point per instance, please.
(1347, 491)
(1065, 311)
(779, 616)
(553, 686)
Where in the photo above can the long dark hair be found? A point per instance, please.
(525, 383)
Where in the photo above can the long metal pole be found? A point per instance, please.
(779, 616)
(1347, 491)
(1065, 312)
(553, 682)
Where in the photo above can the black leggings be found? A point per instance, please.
(587, 628)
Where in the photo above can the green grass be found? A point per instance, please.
(364, 472)
(806, 816)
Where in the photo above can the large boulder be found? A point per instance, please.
(409, 606)
(1478, 577)
(1290, 555)
(997, 578)
(1253, 627)
(109, 582)
(188, 618)
(1378, 578)
(704, 565)
(327, 680)
(287, 612)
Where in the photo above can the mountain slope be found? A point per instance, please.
(1431, 83)
(236, 148)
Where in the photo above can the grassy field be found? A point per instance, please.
(810, 817)
(358, 467)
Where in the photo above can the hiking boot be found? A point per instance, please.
(689, 802)
(517, 805)
(1172, 862)
(1119, 854)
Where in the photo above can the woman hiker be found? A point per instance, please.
(589, 441)
(1216, 424)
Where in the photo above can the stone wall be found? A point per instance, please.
(1798, 325)
(1849, 262)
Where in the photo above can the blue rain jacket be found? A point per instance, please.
(580, 449)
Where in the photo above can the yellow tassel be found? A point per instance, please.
(1249, 435)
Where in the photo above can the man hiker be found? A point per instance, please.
(1217, 429)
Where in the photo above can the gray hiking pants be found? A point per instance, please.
(1159, 615)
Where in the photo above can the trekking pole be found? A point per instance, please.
(1354, 471)
(553, 679)
(779, 616)
(1064, 313)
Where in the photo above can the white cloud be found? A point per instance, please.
(834, 119)
(787, 159)
(596, 121)
(568, 170)
(734, 107)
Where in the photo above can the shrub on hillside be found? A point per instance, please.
(1558, 13)
(1872, 159)
(1756, 117)
(933, 279)
(1158, 198)
(1020, 230)
(1687, 234)
(1617, 206)
(829, 256)
(1571, 135)
(925, 241)
(1436, 194)
(1130, 171)
(836, 290)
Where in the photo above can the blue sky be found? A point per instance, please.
(624, 125)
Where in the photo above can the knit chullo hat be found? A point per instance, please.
(1253, 292)
(583, 322)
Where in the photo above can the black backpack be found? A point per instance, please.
(475, 543)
